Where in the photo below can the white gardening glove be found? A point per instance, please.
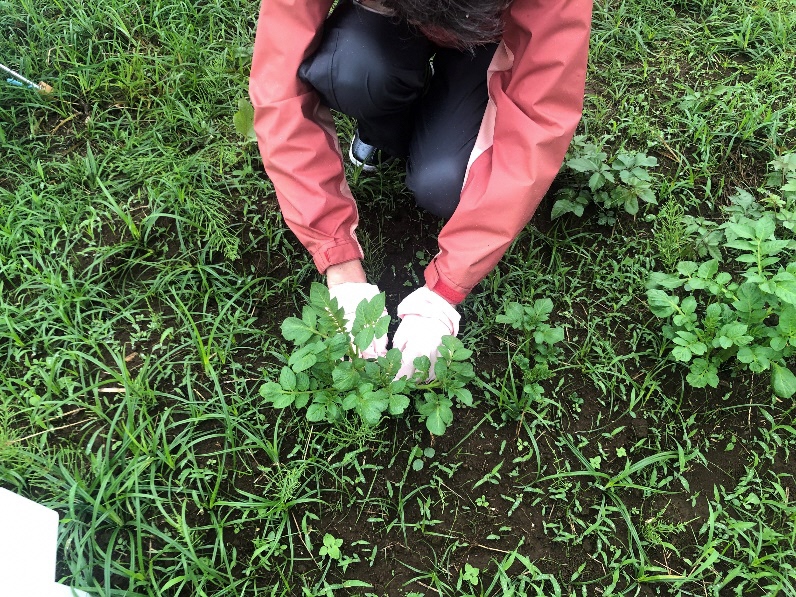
(425, 318)
(349, 295)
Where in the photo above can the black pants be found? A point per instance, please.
(376, 70)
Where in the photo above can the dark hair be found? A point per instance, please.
(459, 23)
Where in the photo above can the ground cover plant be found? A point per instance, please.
(632, 421)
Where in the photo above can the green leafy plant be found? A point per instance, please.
(747, 316)
(331, 547)
(538, 346)
(470, 574)
(326, 374)
(243, 120)
(617, 183)
(778, 199)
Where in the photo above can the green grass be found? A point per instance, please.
(145, 270)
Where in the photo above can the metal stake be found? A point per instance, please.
(16, 75)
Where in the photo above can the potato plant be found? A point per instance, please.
(714, 316)
(326, 375)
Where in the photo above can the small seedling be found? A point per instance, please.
(331, 547)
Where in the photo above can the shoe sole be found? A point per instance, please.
(365, 167)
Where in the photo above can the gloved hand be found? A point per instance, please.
(425, 318)
(349, 295)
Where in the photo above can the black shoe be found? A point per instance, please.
(367, 157)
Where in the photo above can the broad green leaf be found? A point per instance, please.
(758, 358)
(623, 160)
(750, 299)
(457, 349)
(597, 181)
(787, 323)
(464, 396)
(766, 262)
(713, 311)
(702, 374)
(391, 363)
(375, 307)
(773, 247)
(534, 391)
(302, 381)
(631, 204)
(297, 331)
(687, 268)
(646, 194)
(422, 366)
(778, 343)
(438, 413)
(243, 120)
(270, 390)
(320, 296)
(382, 326)
(685, 320)
(783, 381)
(398, 404)
(688, 304)
(287, 379)
(462, 354)
(337, 346)
(669, 281)
(542, 309)
(739, 230)
(324, 406)
(284, 400)
(372, 405)
(316, 412)
(300, 400)
(309, 316)
(463, 370)
(441, 369)
(332, 316)
(565, 206)
(351, 400)
(333, 411)
(732, 334)
(364, 337)
(345, 377)
(660, 303)
(764, 227)
(785, 287)
(708, 269)
(747, 258)
(696, 284)
(368, 404)
(618, 196)
(553, 335)
(642, 159)
(515, 313)
(681, 353)
(690, 341)
(584, 164)
(397, 386)
(303, 358)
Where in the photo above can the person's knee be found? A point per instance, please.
(371, 86)
(359, 83)
(437, 187)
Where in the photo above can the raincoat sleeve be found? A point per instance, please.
(296, 135)
(536, 86)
